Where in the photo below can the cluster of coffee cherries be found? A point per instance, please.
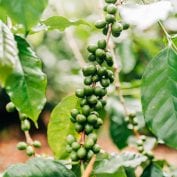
(132, 121)
(82, 151)
(98, 76)
(25, 126)
(141, 147)
(110, 19)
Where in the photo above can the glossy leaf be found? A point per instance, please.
(61, 23)
(153, 170)
(26, 85)
(119, 173)
(114, 162)
(128, 60)
(118, 127)
(60, 126)
(26, 12)
(8, 52)
(38, 167)
(159, 96)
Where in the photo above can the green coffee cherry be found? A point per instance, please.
(100, 60)
(81, 118)
(10, 107)
(110, 1)
(90, 154)
(80, 93)
(89, 70)
(37, 144)
(99, 122)
(83, 102)
(105, 30)
(88, 90)
(92, 118)
(96, 148)
(98, 91)
(75, 146)
(102, 71)
(111, 9)
(30, 151)
(92, 48)
(103, 102)
(105, 82)
(78, 127)
(86, 110)
(95, 113)
(125, 26)
(89, 143)
(88, 128)
(93, 136)
(117, 27)
(101, 44)
(91, 57)
(92, 100)
(95, 78)
(98, 106)
(105, 8)
(70, 139)
(110, 18)
(25, 125)
(100, 53)
(81, 153)
(88, 80)
(74, 156)
(100, 24)
(115, 34)
(68, 149)
(74, 112)
(21, 146)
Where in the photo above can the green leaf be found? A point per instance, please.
(159, 96)
(26, 12)
(153, 170)
(8, 52)
(114, 162)
(61, 23)
(38, 167)
(60, 126)
(119, 173)
(118, 127)
(127, 56)
(26, 85)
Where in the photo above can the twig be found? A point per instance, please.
(29, 140)
(89, 168)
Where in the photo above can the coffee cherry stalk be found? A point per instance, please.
(30, 145)
(98, 75)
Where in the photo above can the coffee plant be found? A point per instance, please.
(111, 77)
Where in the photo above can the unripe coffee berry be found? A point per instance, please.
(100, 24)
(88, 129)
(86, 110)
(78, 127)
(70, 139)
(81, 153)
(80, 118)
(92, 48)
(100, 53)
(110, 1)
(105, 82)
(101, 44)
(92, 118)
(25, 125)
(21, 146)
(96, 148)
(93, 136)
(92, 100)
(68, 149)
(117, 27)
(110, 18)
(30, 151)
(74, 112)
(91, 57)
(80, 93)
(88, 90)
(89, 70)
(89, 143)
(37, 144)
(74, 156)
(88, 80)
(111, 9)
(10, 107)
(75, 146)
